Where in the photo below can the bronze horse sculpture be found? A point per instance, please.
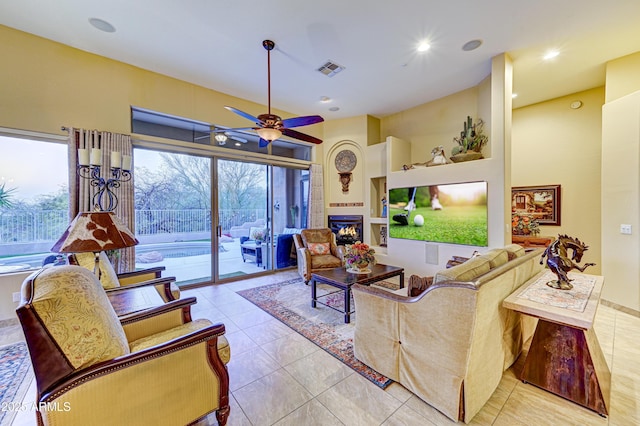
(559, 262)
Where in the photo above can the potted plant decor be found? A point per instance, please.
(470, 142)
(524, 224)
(358, 257)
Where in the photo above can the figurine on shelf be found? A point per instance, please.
(384, 207)
(383, 236)
(437, 157)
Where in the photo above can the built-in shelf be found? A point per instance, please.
(381, 220)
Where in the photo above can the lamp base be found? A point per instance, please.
(96, 266)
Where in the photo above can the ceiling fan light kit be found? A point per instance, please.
(270, 126)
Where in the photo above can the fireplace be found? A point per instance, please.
(348, 228)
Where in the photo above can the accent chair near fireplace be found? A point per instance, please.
(317, 249)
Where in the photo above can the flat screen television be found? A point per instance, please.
(450, 213)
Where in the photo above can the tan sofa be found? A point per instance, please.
(450, 344)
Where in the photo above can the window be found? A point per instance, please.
(153, 123)
(34, 200)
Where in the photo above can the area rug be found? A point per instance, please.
(290, 302)
(15, 378)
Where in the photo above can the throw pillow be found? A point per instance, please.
(417, 285)
(316, 249)
(255, 231)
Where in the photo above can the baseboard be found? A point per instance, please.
(620, 308)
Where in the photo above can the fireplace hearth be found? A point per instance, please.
(348, 228)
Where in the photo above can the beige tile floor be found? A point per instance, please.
(279, 378)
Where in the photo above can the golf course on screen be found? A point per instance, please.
(456, 215)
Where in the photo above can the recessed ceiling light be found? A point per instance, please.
(102, 25)
(472, 45)
(334, 109)
(514, 95)
(550, 55)
(325, 99)
(423, 46)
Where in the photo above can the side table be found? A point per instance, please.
(565, 357)
(129, 300)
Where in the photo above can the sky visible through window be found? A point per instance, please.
(32, 167)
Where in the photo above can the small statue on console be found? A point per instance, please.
(560, 263)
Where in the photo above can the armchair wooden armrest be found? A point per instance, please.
(163, 285)
(126, 278)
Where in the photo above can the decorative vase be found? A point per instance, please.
(362, 266)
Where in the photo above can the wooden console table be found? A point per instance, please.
(565, 357)
(527, 241)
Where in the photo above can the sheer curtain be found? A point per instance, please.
(81, 192)
(316, 197)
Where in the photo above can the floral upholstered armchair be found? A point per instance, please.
(111, 281)
(317, 249)
(155, 367)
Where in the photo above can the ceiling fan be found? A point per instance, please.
(269, 126)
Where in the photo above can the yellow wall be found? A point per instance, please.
(46, 85)
(352, 134)
(432, 124)
(620, 184)
(623, 76)
(554, 144)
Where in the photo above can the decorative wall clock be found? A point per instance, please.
(345, 163)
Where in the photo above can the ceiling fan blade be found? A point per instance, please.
(301, 121)
(301, 136)
(263, 143)
(245, 115)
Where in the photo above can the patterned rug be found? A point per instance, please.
(290, 302)
(15, 378)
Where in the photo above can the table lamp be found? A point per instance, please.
(94, 232)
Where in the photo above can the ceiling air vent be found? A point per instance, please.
(330, 69)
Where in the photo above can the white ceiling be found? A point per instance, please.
(217, 44)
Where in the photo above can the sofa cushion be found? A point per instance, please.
(514, 250)
(322, 261)
(466, 271)
(319, 248)
(496, 257)
(254, 231)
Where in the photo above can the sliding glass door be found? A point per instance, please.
(173, 214)
(208, 219)
(243, 218)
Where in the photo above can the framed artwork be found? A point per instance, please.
(541, 202)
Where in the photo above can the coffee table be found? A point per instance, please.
(343, 280)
